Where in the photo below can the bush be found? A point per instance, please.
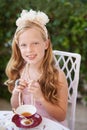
(67, 27)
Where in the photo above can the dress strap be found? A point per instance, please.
(25, 74)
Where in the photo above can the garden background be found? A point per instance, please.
(67, 28)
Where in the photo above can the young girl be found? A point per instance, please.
(31, 70)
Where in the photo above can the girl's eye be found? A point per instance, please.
(36, 43)
(23, 45)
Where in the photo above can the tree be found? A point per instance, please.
(67, 27)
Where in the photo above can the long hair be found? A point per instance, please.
(49, 78)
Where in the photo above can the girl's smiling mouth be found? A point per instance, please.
(31, 57)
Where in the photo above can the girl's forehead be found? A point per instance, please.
(31, 33)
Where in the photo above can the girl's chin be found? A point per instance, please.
(30, 62)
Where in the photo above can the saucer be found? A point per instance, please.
(25, 122)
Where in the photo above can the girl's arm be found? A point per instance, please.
(14, 99)
(58, 111)
(15, 93)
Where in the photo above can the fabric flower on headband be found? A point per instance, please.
(33, 16)
(39, 18)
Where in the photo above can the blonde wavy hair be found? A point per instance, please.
(49, 78)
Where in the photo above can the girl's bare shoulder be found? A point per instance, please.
(62, 77)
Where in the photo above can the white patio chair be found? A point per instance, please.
(70, 64)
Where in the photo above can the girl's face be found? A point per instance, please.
(32, 46)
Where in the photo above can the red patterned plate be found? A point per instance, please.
(27, 123)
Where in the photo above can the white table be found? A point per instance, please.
(46, 124)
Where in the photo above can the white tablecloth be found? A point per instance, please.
(46, 124)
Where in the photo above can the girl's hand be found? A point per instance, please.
(35, 89)
(20, 85)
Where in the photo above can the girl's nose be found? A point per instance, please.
(29, 48)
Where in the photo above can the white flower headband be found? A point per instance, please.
(39, 18)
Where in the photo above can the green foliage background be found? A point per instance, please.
(67, 27)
